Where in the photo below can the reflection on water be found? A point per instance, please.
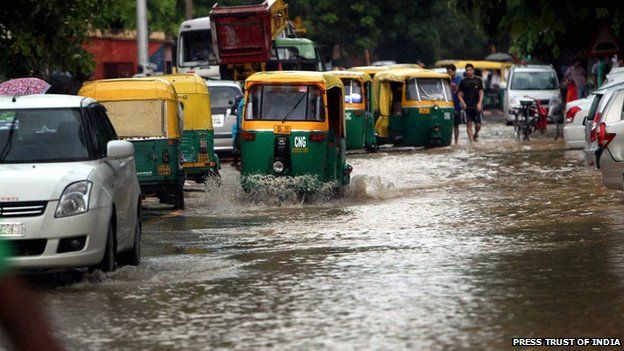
(455, 248)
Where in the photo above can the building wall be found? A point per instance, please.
(117, 58)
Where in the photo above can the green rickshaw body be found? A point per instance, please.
(421, 128)
(415, 108)
(146, 112)
(293, 127)
(157, 163)
(197, 143)
(360, 122)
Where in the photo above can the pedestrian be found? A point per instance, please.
(471, 98)
(237, 109)
(577, 74)
(20, 315)
(571, 91)
(451, 70)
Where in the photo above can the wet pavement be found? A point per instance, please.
(454, 248)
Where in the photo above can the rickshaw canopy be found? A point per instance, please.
(129, 89)
(359, 75)
(134, 108)
(194, 96)
(323, 80)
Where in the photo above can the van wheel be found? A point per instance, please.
(109, 261)
(178, 197)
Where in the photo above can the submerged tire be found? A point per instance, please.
(109, 261)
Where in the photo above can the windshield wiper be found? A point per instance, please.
(7, 147)
(294, 107)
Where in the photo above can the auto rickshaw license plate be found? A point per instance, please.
(425, 110)
(164, 170)
(202, 158)
(281, 129)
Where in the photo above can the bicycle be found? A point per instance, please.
(531, 117)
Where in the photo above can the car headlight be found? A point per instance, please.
(555, 100)
(75, 199)
(278, 166)
(515, 102)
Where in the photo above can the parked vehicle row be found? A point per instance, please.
(596, 125)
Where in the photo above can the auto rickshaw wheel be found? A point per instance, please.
(178, 197)
(371, 148)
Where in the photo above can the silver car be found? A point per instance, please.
(223, 94)
(610, 140)
(534, 81)
(69, 195)
(599, 99)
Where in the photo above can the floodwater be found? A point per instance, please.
(447, 249)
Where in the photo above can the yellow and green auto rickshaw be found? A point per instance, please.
(359, 110)
(146, 112)
(493, 73)
(415, 107)
(197, 143)
(294, 126)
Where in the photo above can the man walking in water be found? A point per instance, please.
(451, 70)
(471, 98)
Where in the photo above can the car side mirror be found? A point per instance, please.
(119, 149)
(228, 112)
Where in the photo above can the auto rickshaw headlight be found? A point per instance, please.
(75, 199)
(278, 166)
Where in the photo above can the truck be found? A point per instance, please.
(237, 41)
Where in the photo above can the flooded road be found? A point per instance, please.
(455, 248)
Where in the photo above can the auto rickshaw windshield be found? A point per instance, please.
(285, 102)
(423, 89)
(353, 91)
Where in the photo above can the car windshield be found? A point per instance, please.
(534, 81)
(437, 89)
(285, 102)
(221, 97)
(353, 91)
(42, 135)
(196, 47)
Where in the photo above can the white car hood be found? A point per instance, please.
(40, 181)
(536, 94)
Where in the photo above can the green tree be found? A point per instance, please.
(41, 36)
(544, 29)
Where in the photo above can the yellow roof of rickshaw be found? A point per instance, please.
(401, 74)
(404, 65)
(476, 63)
(129, 89)
(325, 78)
(353, 75)
(372, 70)
(186, 83)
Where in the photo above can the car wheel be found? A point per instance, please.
(134, 255)
(109, 261)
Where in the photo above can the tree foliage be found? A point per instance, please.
(545, 29)
(40, 36)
